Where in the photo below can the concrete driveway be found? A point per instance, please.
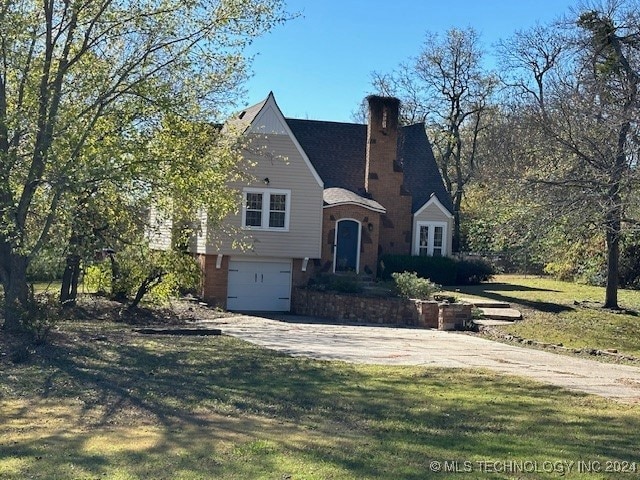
(302, 336)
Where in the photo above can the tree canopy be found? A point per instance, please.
(447, 88)
(85, 87)
(544, 165)
(576, 85)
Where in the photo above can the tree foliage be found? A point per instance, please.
(446, 87)
(84, 85)
(577, 87)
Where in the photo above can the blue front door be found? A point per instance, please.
(347, 246)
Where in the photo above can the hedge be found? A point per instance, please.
(442, 270)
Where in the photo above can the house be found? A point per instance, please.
(326, 197)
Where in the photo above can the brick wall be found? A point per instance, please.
(356, 309)
(453, 316)
(381, 310)
(384, 178)
(298, 277)
(214, 280)
(370, 222)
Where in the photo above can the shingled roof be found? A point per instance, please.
(338, 153)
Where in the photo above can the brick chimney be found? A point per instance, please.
(384, 177)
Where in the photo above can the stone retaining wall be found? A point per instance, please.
(381, 310)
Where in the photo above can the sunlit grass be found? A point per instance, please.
(567, 313)
(102, 402)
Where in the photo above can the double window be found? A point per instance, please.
(266, 209)
(431, 239)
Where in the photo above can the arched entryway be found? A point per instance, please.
(347, 246)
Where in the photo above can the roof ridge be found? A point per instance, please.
(325, 121)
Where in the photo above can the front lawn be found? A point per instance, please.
(101, 402)
(567, 313)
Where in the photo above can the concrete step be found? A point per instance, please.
(500, 313)
(486, 303)
(492, 323)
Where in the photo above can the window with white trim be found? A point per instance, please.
(430, 239)
(266, 209)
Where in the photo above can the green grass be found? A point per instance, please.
(566, 313)
(101, 402)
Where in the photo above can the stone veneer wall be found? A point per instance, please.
(381, 310)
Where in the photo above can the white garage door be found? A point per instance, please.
(259, 285)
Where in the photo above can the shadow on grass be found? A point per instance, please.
(499, 292)
(347, 421)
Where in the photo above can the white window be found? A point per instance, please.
(431, 239)
(266, 209)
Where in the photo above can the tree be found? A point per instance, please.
(75, 73)
(577, 83)
(447, 88)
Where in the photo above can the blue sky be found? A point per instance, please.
(319, 65)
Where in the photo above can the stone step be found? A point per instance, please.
(491, 323)
(501, 313)
(485, 303)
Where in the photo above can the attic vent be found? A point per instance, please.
(242, 115)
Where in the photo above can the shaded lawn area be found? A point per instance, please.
(101, 402)
(566, 313)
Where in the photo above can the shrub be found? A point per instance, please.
(336, 283)
(48, 265)
(473, 272)
(441, 270)
(629, 270)
(39, 315)
(97, 278)
(161, 274)
(409, 285)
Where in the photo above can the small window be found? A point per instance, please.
(437, 241)
(266, 209)
(430, 239)
(423, 245)
(277, 210)
(254, 210)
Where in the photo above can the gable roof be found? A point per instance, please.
(338, 153)
(266, 118)
(421, 174)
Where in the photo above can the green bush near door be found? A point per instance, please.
(441, 270)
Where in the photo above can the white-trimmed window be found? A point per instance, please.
(266, 209)
(430, 239)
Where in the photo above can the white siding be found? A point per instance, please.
(277, 158)
(433, 213)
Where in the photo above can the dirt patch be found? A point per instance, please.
(178, 314)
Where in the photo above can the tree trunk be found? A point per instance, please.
(614, 218)
(15, 291)
(153, 279)
(457, 202)
(117, 293)
(69, 288)
(613, 257)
